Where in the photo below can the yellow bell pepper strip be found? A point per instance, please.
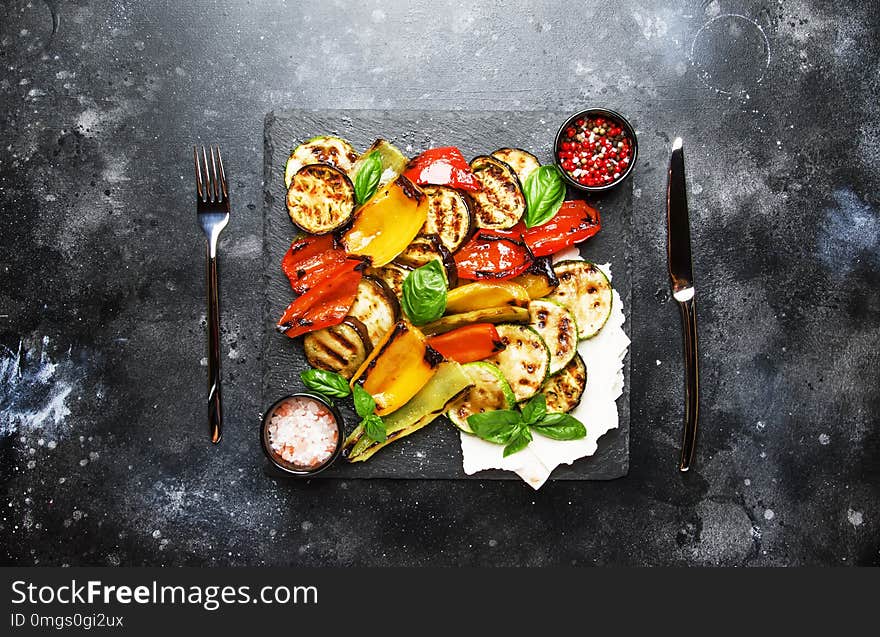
(483, 294)
(398, 367)
(386, 224)
(503, 314)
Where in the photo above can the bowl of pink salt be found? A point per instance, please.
(302, 434)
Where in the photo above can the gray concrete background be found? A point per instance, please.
(102, 441)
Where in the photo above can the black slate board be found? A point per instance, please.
(434, 452)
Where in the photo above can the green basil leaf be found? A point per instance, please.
(495, 426)
(518, 442)
(560, 427)
(535, 409)
(424, 293)
(364, 404)
(544, 191)
(367, 179)
(325, 383)
(374, 428)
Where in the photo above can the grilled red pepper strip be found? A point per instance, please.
(326, 265)
(493, 254)
(469, 343)
(324, 305)
(576, 221)
(304, 249)
(445, 166)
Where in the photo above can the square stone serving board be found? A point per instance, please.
(433, 452)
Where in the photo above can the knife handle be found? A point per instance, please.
(692, 384)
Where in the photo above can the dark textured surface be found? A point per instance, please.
(104, 454)
(435, 451)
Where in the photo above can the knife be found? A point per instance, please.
(681, 274)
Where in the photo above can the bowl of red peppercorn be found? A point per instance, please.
(595, 149)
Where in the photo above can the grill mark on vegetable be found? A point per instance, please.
(432, 357)
(410, 190)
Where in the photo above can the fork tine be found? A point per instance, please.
(216, 181)
(199, 189)
(222, 175)
(208, 185)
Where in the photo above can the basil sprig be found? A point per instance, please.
(544, 191)
(326, 383)
(366, 181)
(364, 405)
(513, 429)
(424, 293)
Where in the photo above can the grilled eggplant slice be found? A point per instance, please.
(320, 199)
(332, 151)
(522, 162)
(500, 203)
(376, 307)
(491, 391)
(586, 291)
(524, 361)
(539, 280)
(503, 314)
(341, 348)
(556, 325)
(564, 390)
(449, 216)
(392, 275)
(393, 161)
(426, 248)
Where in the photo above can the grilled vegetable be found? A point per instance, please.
(398, 367)
(444, 166)
(387, 223)
(522, 162)
(392, 275)
(482, 294)
(493, 254)
(490, 391)
(539, 280)
(500, 202)
(425, 248)
(469, 343)
(324, 305)
(449, 216)
(318, 268)
(576, 221)
(585, 290)
(376, 307)
(393, 162)
(504, 314)
(556, 325)
(320, 198)
(332, 151)
(431, 401)
(564, 390)
(524, 361)
(302, 250)
(341, 348)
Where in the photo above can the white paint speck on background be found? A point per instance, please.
(824, 439)
(856, 518)
(769, 514)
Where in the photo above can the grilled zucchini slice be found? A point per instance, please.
(322, 149)
(586, 291)
(524, 361)
(392, 275)
(320, 199)
(539, 280)
(376, 307)
(503, 314)
(564, 390)
(522, 161)
(341, 348)
(426, 248)
(490, 392)
(449, 216)
(556, 325)
(500, 203)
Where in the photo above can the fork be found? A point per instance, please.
(212, 204)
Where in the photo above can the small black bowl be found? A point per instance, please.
(287, 467)
(604, 112)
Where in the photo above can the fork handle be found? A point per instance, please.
(692, 384)
(215, 403)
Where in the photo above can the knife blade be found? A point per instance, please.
(681, 275)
